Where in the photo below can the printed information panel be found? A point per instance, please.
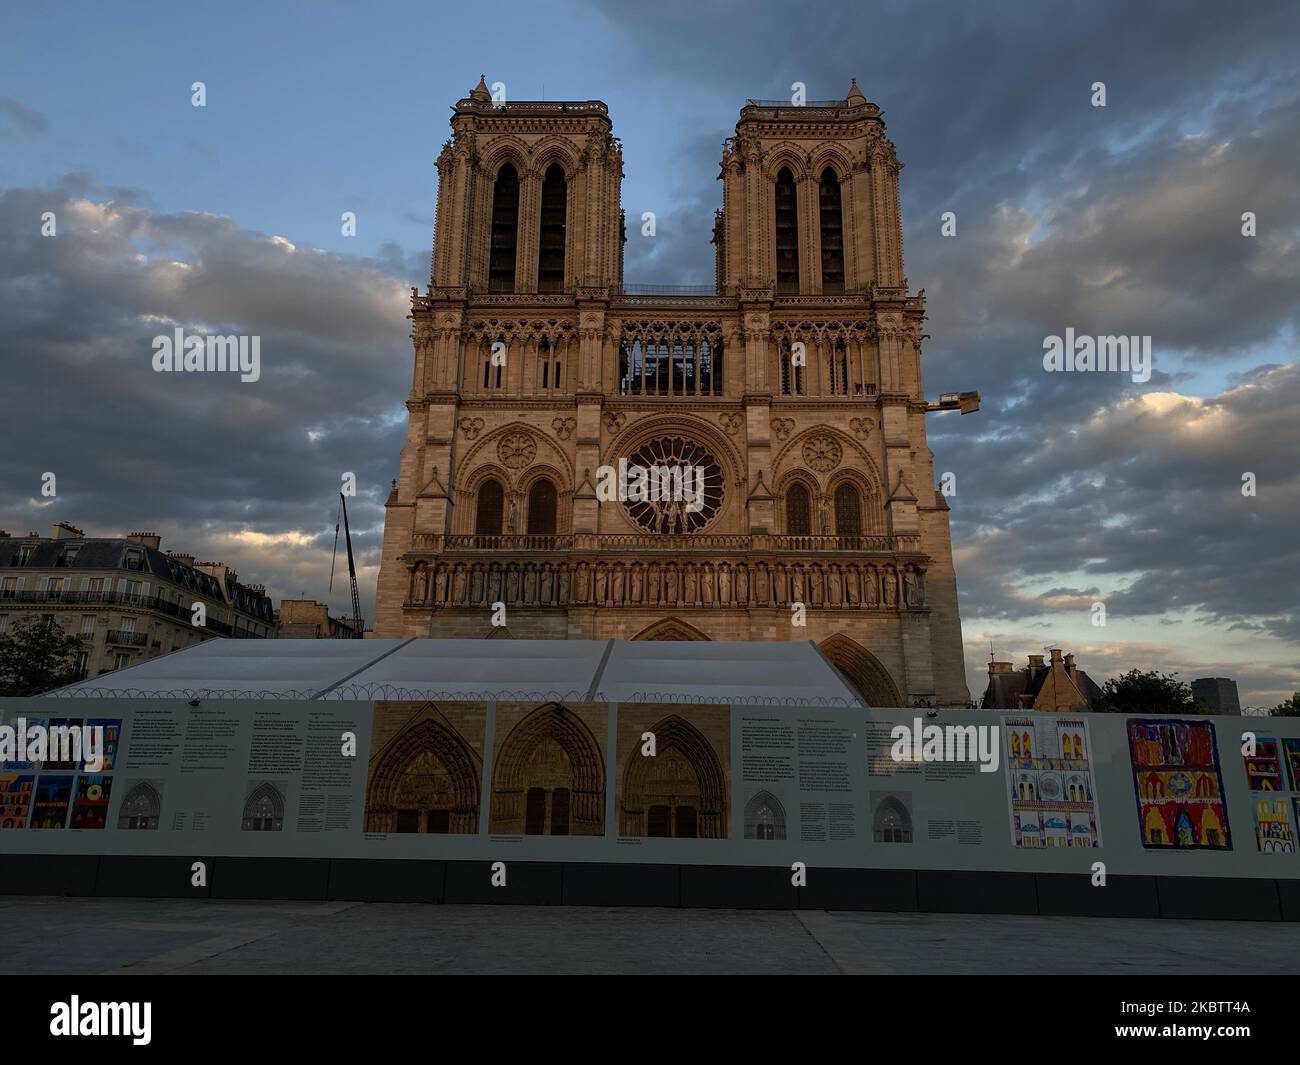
(662, 783)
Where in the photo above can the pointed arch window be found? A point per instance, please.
(787, 233)
(550, 246)
(541, 508)
(798, 511)
(791, 373)
(848, 513)
(832, 231)
(505, 230)
(490, 509)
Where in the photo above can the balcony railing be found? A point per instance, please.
(126, 638)
(703, 543)
(154, 603)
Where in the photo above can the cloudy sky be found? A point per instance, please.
(1070, 489)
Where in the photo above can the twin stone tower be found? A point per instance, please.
(793, 383)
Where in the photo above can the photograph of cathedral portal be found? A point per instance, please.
(264, 806)
(548, 769)
(426, 767)
(764, 816)
(891, 817)
(684, 789)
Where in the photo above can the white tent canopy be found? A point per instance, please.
(607, 670)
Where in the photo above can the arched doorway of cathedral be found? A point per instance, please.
(671, 629)
(426, 779)
(764, 817)
(681, 792)
(549, 777)
(862, 670)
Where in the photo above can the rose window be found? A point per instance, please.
(683, 486)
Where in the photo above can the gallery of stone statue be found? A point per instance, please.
(792, 385)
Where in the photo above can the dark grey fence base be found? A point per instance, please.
(714, 886)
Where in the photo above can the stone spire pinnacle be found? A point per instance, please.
(480, 91)
(855, 97)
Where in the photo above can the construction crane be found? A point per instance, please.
(360, 627)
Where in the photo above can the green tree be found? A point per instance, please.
(1287, 708)
(1146, 692)
(37, 656)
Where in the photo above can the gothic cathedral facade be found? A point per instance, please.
(793, 383)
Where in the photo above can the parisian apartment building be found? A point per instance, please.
(125, 597)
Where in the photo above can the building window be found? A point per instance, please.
(798, 511)
(489, 513)
(848, 511)
(83, 660)
(838, 367)
(121, 661)
(550, 245)
(832, 233)
(505, 230)
(541, 508)
(787, 233)
(88, 625)
(491, 370)
(791, 372)
(548, 366)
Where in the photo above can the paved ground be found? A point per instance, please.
(153, 936)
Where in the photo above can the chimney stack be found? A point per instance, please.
(1069, 664)
(999, 667)
(148, 539)
(1035, 663)
(65, 531)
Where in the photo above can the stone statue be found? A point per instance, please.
(762, 581)
(724, 585)
(797, 592)
(909, 588)
(852, 593)
(512, 585)
(891, 587)
(742, 586)
(421, 583)
(638, 578)
(816, 590)
(440, 586)
(458, 586)
(670, 586)
(652, 586)
(706, 585)
(691, 583)
(834, 594)
(584, 583)
(872, 580)
(616, 592)
(548, 586)
(530, 585)
(564, 584)
(476, 585)
(494, 585)
(602, 585)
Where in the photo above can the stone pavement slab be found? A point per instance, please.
(104, 935)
